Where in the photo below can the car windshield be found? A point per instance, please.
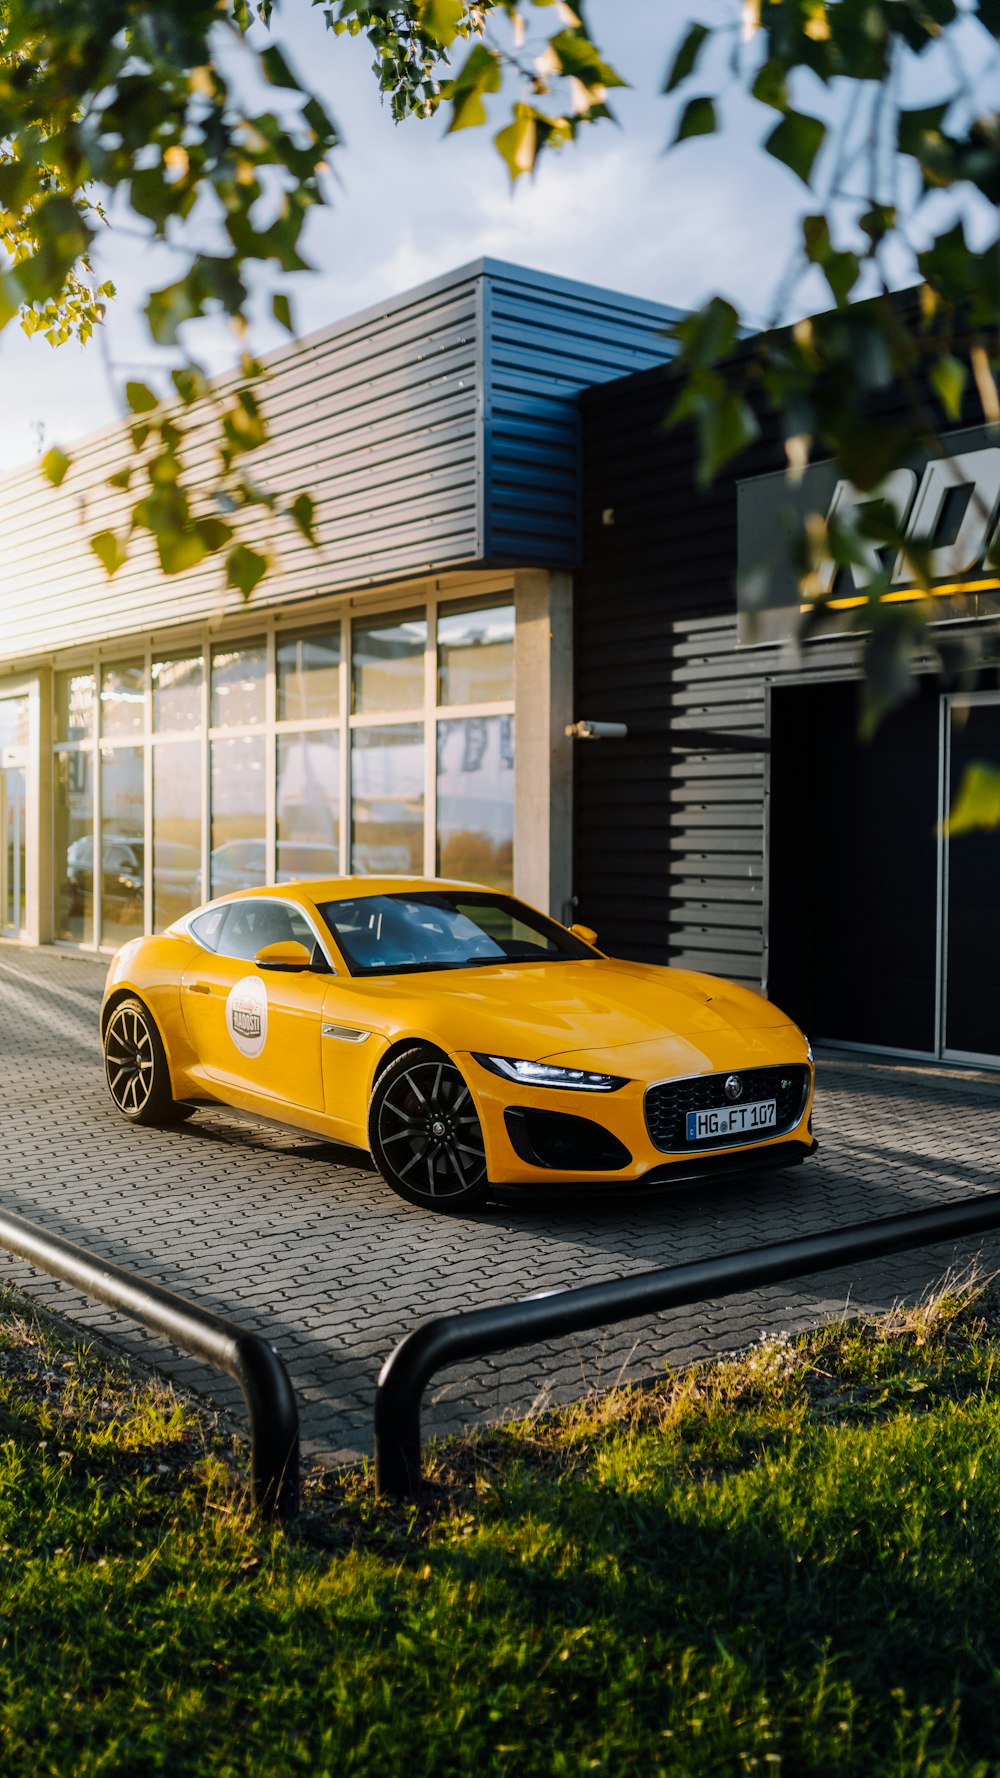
(437, 929)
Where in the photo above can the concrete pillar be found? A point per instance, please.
(543, 698)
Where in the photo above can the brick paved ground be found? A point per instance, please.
(304, 1242)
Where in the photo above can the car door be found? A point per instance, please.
(257, 1030)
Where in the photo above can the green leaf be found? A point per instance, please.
(440, 19)
(281, 309)
(54, 464)
(480, 73)
(518, 142)
(917, 129)
(686, 58)
(579, 57)
(140, 397)
(190, 383)
(244, 568)
(110, 550)
(771, 85)
(948, 379)
(180, 550)
(276, 68)
(697, 119)
(796, 141)
(303, 513)
(977, 804)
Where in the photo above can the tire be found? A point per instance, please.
(136, 1069)
(425, 1133)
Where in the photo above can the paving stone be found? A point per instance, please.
(301, 1240)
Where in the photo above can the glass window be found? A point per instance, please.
(177, 683)
(208, 926)
(308, 673)
(387, 663)
(387, 798)
(238, 682)
(442, 929)
(122, 846)
(475, 654)
(475, 807)
(73, 847)
(13, 722)
(123, 699)
(239, 854)
(176, 831)
(253, 924)
(308, 805)
(75, 693)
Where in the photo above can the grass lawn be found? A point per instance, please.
(785, 1564)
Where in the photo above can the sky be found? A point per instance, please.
(409, 202)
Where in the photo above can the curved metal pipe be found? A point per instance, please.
(449, 1338)
(224, 1344)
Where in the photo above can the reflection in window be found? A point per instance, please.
(177, 685)
(475, 806)
(74, 706)
(387, 663)
(13, 722)
(239, 854)
(122, 862)
(123, 698)
(308, 805)
(176, 831)
(73, 846)
(308, 674)
(387, 799)
(475, 654)
(238, 677)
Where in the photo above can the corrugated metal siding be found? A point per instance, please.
(545, 341)
(377, 418)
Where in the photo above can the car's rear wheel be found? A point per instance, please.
(425, 1133)
(135, 1066)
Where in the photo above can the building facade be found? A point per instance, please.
(394, 700)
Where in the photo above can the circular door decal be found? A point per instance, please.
(246, 1015)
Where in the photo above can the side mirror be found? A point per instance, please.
(290, 956)
(586, 933)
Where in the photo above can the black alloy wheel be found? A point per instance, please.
(135, 1066)
(425, 1133)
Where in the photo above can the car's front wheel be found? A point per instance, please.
(135, 1066)
(425, 1133)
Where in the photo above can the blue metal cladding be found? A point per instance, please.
(544, 340)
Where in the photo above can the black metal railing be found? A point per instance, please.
(255, 1366)
(547, 1315)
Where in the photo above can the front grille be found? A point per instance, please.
(668, 1104)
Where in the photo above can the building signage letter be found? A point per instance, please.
(979, 472)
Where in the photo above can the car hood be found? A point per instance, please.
(540, 1011)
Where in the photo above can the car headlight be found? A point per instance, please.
(544, 1074)
(809, 1050)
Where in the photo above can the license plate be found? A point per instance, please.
(732, 1120)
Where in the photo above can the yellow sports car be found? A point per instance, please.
(465, 1039)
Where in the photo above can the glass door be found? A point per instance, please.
(970, 899)
(13, 872)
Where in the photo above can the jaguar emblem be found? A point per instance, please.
(733, 1088)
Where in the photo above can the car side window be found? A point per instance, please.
(207, 927)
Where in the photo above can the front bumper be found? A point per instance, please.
(548, 1135)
